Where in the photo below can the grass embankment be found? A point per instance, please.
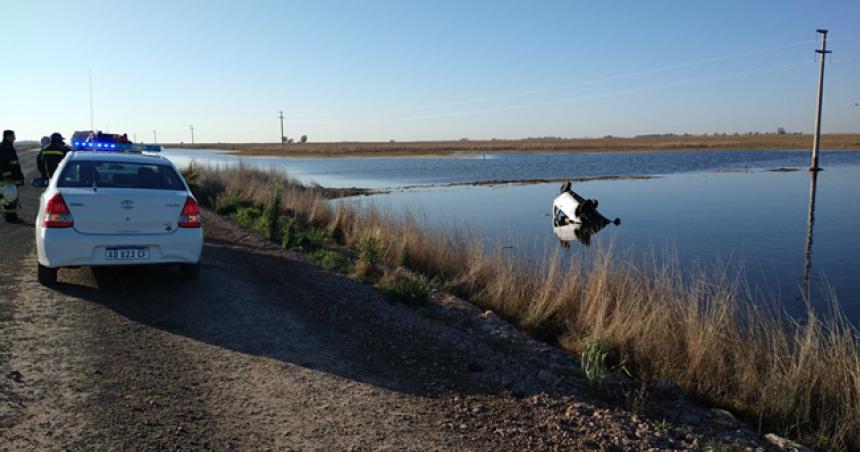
(429, 148)
(702, 331)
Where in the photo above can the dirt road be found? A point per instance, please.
(265, 351)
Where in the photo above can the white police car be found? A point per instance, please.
(114, 205)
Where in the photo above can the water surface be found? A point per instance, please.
(707, 206)
(374, 172)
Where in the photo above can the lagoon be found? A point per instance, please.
(748, 209)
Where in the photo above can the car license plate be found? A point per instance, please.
(127, 253)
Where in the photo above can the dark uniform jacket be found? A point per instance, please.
(50, 157)
(10, 169)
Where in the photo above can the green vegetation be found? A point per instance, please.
(594, 362)
(332, 260)
(600, 360)
(248, 217)
(228, 203)
(662, 425)
(296, 235)
(700, 329)
(713, 447)
(410, 289)
(269, 217)
(370, 256)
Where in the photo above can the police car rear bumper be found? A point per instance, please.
(66, 247)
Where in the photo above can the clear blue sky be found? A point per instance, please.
(380, 70)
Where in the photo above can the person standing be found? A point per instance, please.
(10, 174)
(50, 157)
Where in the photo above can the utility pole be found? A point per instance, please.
(154, 137)
(281, 116)
(192, 133)
(816, 141)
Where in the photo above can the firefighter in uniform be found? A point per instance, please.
(10, 174)
(50, 157)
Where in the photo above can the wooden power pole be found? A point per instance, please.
(281, 116)
(816, 141)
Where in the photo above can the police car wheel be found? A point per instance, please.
(47, 276)
(189, 271)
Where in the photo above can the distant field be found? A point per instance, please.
(427, 148)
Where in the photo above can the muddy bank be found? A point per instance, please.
(493, 182)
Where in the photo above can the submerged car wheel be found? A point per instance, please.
(47, 276)
(189, 271)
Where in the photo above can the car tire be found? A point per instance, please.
(47, 276)
(189, 271)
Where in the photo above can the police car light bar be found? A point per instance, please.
(116, 147)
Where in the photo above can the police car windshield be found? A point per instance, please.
(120, 175)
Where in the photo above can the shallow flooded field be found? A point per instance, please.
(790, 234)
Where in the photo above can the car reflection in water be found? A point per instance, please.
(576, 231)
(576, 218)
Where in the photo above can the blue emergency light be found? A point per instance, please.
(117, 147)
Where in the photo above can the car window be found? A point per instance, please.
(120, 175)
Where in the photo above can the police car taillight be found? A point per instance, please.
(190, 216)
(57, 214)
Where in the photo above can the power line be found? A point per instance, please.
(638, 73)
(675, 84)
(586, 82)
(656, 87)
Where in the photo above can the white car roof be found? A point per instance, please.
(96, 156)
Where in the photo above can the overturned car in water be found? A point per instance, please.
(576, 218)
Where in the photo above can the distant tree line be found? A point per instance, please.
(302, 139)
(779, 131)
